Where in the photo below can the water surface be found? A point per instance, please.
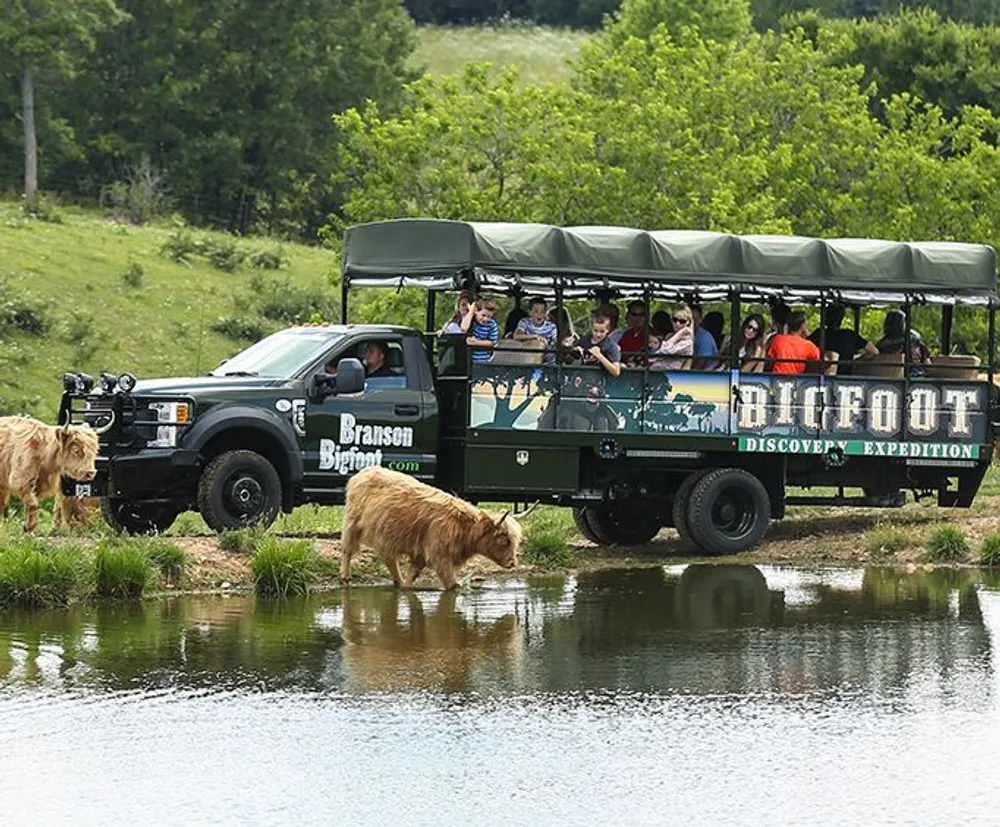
(692, 694)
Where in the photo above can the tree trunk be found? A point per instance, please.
(30, 139)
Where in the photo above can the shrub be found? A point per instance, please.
(138, 198)
(42, 209)
(240, 328)
(547, 548)
(281, 301)
(271, 258)
(242, 540)
(33, 575)
(947, 543)
(81, 335)
(888, 538)
(20, 313)
(284, 568)
(989, 552)
(132, 277)
(224, 255)
(168, 557)
(121, 569)
(181, 245)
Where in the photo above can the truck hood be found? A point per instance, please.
(194, 385)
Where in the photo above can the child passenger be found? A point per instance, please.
(537, 328)
(483, 330)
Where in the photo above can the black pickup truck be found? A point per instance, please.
(711, 449)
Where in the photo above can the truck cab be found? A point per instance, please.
(282, 423)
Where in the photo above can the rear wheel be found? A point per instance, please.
(239, 489)
(626, 525)
(138, 518)
(729, 511)
(682, 501)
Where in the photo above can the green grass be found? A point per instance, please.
(33, 574)
(540, 53)
(169, 558)
(947, 543)
(121, 569)
(989, 551)
(546, 548)
(158, 328)
(284, 568)
(242, 541)
(888, 538)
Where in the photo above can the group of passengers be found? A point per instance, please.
(683, 338)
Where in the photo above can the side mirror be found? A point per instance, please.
(350, 378)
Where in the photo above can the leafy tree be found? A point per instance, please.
(721, 20)
(948, 64)
(233, 98)
(37, 34)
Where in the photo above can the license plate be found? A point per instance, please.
(73, 488)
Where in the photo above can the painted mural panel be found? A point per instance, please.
(777, 414)
(590, 399)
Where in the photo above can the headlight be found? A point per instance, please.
(176, 413)
(126, 382)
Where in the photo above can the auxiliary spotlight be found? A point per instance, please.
(126, 382)
(84, 383)
(108, 382)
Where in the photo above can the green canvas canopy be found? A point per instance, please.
(438, 254)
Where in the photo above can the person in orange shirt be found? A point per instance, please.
(792, 345)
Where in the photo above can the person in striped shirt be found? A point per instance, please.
(484, 331)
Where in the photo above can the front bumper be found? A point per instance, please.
(152, 473)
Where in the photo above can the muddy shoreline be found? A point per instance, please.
(806, 536)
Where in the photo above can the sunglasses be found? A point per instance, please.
(752, 328)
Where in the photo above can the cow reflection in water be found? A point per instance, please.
(405, 641)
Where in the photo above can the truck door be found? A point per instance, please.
(392, 422)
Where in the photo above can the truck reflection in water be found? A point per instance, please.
(684, 629)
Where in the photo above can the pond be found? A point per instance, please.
(687, 694)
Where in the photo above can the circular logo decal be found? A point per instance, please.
(283, 405)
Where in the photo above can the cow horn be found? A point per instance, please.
(503, 517)
(527, 511)
(105, 428)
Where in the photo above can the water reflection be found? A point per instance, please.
(688, 629)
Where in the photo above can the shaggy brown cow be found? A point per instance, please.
(34, 456)
(400, 517)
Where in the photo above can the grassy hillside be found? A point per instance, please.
(540, 53)
(108, 299)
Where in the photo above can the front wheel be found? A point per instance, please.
(729, 511)
(239, 489)
(138, 518)
(623, 526)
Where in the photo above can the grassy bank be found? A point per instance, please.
(541, 54)
(96, 296)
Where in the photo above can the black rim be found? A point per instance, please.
(243, 495)
(734, 513)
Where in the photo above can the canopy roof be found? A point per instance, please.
(439, 254)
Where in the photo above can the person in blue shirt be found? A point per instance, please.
(537, 329)
(484, 332)
(704, 343)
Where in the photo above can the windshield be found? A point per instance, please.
(280, 355)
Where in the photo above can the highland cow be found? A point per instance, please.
(399, 517)
(34, 456)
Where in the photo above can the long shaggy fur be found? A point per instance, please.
(33, 457)
(402, 518)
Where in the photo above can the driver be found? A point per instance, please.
(374, 360)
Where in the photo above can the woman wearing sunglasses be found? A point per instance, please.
(677, 343)
(751, 344)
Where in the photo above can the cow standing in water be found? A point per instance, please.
(402, 518)
(34, 456)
